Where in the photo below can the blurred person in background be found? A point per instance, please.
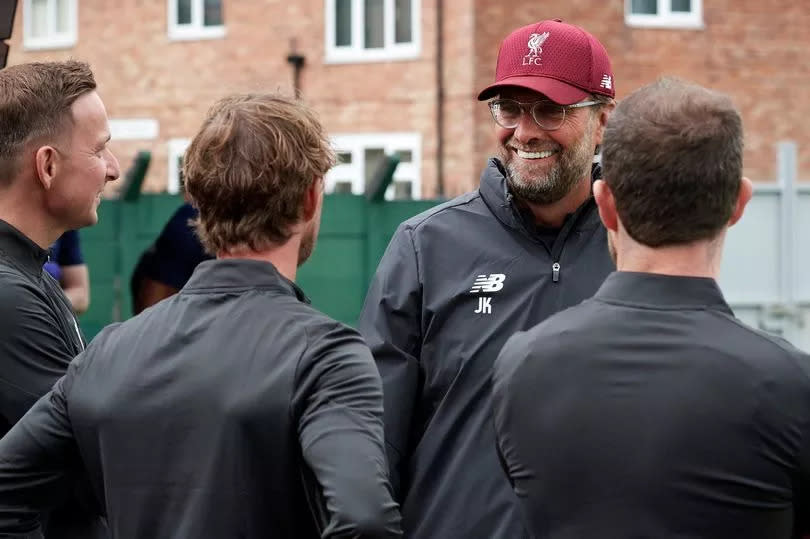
(166, 265)
(66, 265)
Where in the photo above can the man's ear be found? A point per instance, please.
(46, 161)
(607, 205)
(312, 198)
(601, 121)
(746, 192)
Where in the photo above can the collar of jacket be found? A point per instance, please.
(21, 250)
(241, 273)
(662, 291)
(495, 193)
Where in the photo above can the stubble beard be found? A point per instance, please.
(572, 166)
(306, 247)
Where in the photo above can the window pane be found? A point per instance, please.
(684, 6)
(403, 21)
(343, 186)
(403, 190)
(39, 18)
(344, 158)
(183, 11)
(373, 158)
(644, 7)
(375, 24)
(212, 13)
(405, 156)
(181, 179)
(62, 24)
(343, 23)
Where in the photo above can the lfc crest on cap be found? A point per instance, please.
(535, 49)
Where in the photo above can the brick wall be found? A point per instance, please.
(748, 48)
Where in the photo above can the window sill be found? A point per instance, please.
(194, 34)
(42, 44)
(654, 21)
(354, 56)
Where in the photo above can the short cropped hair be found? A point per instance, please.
(672, 157)
(35, 103)
(249, 166)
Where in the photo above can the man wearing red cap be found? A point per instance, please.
(457, 281)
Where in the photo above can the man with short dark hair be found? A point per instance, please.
(649, 410)
(54, 164)
(459, 279)
(233, 408)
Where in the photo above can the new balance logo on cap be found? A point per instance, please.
(488, 283)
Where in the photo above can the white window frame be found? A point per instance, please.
(355, 52)
(53, 39)
(356, 144)
(177, 147)
(194, 30)
(665, 18)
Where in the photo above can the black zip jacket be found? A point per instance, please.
(454, 284)
(39, 336)
(230, 410)
(650, 411)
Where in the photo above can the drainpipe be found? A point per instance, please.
(439, 98)
(296, 60)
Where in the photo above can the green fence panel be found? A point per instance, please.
(353, 236)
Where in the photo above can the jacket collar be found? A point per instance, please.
(662, 291)
(240, 273)
(495, 193)
(21, 250)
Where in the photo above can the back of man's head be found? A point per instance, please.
(672, 157)
(35, 105)
(248, 168)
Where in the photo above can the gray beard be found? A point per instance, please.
(573, 166)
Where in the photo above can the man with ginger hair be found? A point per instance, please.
(233, 408)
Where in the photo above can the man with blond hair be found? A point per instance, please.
(233, 408)
(54, 164)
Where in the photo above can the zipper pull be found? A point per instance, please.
(555, 272)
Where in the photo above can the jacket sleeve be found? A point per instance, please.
(32, 354)
(508, 407)
(341, 435)
(391, 324)
(38, 460)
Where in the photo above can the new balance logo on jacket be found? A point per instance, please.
(487, 283)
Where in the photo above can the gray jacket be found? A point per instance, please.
(454, 284)
(231, 409)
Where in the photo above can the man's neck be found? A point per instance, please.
(553, 215)
(28, 220)
(283, 257)
(700, 259)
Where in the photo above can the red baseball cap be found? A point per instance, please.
(560, 60)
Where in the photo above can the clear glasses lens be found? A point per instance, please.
(547, 114)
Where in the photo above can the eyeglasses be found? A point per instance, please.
(548, 114)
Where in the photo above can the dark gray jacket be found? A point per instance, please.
(232, 409)
(655, 413)
(39, 336)
(453, 285)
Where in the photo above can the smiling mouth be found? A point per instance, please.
(535, 155)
